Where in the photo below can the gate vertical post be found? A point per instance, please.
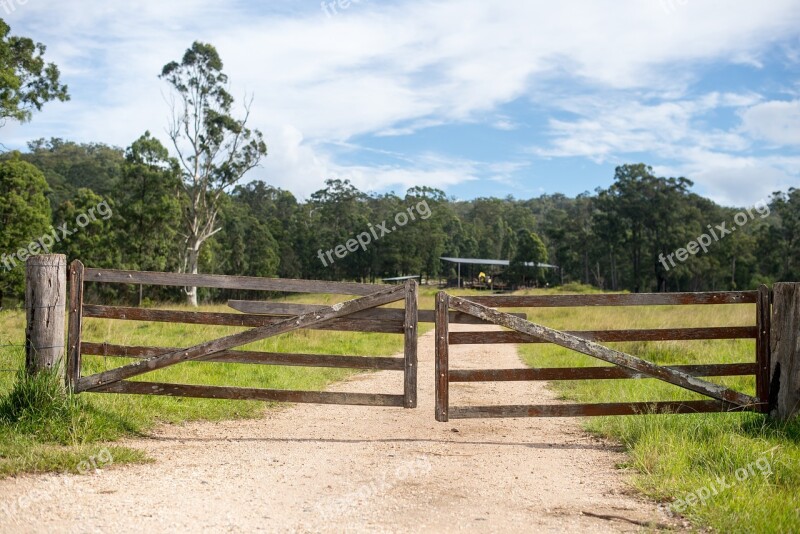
(784, 388)
(45, 307)
(442, 356)
(410, 345)
(76, 271)
(763, 316)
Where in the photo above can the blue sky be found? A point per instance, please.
(477, 98)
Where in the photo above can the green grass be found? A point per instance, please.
(46, 429)
(52, 432)
(676, 456)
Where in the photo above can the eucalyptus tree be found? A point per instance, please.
(24, 217)
(781, 241)
(149, 206)
(653, 215)
(26, 81)
(215, 150)
(338, 213)
(281, 212)
(69, 166)
(530, 249)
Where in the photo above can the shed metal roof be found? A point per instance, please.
(505, 263)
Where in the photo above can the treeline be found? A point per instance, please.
(619, 238)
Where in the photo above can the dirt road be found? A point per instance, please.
(314, 468)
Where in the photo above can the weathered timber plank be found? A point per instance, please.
(442, 364)
(592, 373)
(590, 410)
(784, 387)
(410, 345)
(601, 352)
(242, 338)
(628, 299)
(253, 357)
(230, 282)
(237, 393)
(656, 334)
(75, 326)
(386, 314)
(235, 319)
(763, 314)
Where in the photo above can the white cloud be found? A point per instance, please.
(720, 162)
(777, 122)
(610, 127)
(505, 124)
(394, 69)
(298, 166)
(731, 179)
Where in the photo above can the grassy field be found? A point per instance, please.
(40, 431)
(730, 472)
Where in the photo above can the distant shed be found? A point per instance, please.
(498, 263)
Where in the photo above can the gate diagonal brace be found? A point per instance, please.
(208, 348)
(601, 352)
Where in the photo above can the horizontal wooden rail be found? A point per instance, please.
(235, 319)
(622, 299)
(656, 334)
(251, 357)
(229, 282)
(581, 410)
(592, 373)
(238, 393)
(384, 314)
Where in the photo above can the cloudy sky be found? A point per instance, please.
(475, 97)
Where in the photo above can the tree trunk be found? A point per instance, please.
(613, 270)
(192, 259)
(586, 268)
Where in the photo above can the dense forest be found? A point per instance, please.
(618, 238)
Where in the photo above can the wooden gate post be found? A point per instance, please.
(784, 394)
(410, 325)
(442, 365)
(45, 309)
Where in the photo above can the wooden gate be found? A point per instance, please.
(625, 365)
(357, 315)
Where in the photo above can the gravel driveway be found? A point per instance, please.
(310, 468)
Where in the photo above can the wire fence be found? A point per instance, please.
(22, 346)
